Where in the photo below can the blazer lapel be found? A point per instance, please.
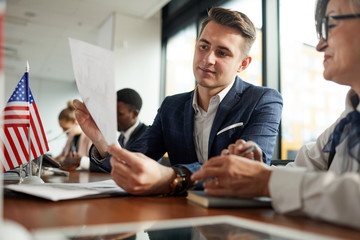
(224, 109)
(134, 135)
(189, 123)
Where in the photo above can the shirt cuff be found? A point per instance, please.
(192, 167)
(84, 163)
(285, 188)
(95, 155)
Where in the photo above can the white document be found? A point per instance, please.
(95, 78)
(66, 191)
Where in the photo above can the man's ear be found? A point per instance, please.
(244, 63)
(135, 112)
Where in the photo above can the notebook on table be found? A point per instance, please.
(201, 198)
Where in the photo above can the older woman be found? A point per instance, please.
(324, 180)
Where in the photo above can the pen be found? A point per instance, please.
(247, 151)
(73, 150)
(61, 134)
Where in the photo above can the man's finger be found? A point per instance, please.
(79, 105)
(210, 172)
(124, 156)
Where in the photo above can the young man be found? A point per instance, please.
(194, 126)
(128, 108)
(324, 180)
(129, 104)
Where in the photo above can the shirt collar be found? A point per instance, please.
(130, 130)
(221, 95)
(351, 99)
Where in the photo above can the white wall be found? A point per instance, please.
(137, 46)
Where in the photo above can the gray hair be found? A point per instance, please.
(320, 11)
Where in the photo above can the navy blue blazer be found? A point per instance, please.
(105, 167)
(258, 108)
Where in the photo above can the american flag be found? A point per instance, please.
(21, 115)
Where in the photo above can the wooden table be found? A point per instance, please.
(34, 213)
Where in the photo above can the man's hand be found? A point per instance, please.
(234, 176)
(240, 148)
(138, 174)
(89, 127)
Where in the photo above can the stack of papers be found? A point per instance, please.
(66, 191)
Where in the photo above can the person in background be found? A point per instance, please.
(75, 153)
(128, 108)
(324, 180)
(192, 127)
(129, 104)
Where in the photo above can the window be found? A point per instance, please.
(311, 104)
(253, 9)
(179, 58)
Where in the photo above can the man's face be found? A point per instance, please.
(125, 117)
(218, 57)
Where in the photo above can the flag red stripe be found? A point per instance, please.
(16, 108)
(36, 136)
(41, 127)
(32, 149)
(7, 125)
(21, 117)
(21, 142)
(13, 147)
(8, 159)
(2, 145)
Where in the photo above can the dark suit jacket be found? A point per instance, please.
(138, 131)
(258, 108)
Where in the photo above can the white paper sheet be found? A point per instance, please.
(95, 78)
(66, 191)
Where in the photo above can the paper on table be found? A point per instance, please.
(95, 78)
(66, 191)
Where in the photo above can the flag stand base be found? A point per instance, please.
(31, 179)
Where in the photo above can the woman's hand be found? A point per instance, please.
(245, 149)
(231, 175)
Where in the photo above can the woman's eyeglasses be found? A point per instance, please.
(324, 33)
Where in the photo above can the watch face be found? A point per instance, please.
(180, 183)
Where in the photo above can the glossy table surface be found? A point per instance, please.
(35, 213)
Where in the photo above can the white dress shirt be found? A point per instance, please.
(203, 122)
(306, 186)
(129, 131)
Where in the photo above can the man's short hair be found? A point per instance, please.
(130, 97)
(233, 19)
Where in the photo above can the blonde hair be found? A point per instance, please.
(67, 114)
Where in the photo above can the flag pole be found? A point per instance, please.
(27, 98)
(30, 178)
(27, 68)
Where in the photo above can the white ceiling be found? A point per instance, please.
(38, 31)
